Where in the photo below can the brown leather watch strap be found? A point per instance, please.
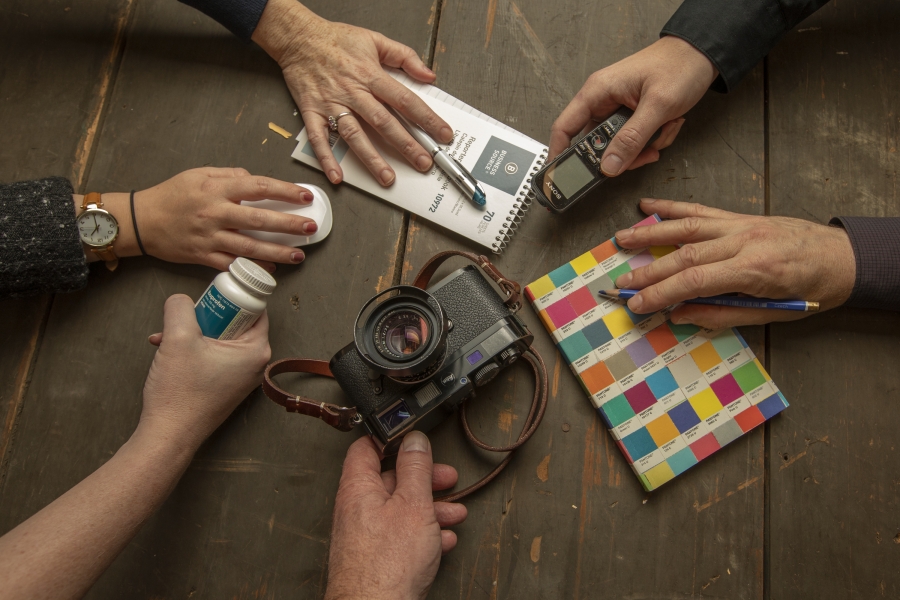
(510, 287)
(340, 417)
(108, 257)
(92, 198)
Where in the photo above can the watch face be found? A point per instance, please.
(97, 227)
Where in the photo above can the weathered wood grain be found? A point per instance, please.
(58, 62)
(568, 518)
(834, 135)
(252, 516)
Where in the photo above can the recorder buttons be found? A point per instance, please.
(486, 373)
(599, 142)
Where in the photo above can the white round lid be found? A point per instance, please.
(252, 275)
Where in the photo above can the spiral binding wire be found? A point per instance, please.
(523, 202)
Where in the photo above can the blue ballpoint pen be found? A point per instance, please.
(736, 301)
(446, 163)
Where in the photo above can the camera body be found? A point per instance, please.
(418, 354)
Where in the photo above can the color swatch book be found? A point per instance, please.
(498, 156)
(670, 395)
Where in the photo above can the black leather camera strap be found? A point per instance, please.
(345, 418)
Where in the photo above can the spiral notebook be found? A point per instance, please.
(670, 395)
(497, 155)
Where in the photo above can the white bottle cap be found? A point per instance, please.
(252, 275)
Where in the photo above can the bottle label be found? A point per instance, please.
(219, 317)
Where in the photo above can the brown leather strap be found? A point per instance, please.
(92, 198)
(510, 287)
(535, 415)
(340, 417)
(108, 256)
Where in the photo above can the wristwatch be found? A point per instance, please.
(98, 229)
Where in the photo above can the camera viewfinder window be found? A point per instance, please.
(395, 417)
(570, 175)
(474, 357)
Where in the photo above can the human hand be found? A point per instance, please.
(387, 541)
(660, 83)
(195, 382)
(725, 252)
(194, 217)
(332, 68)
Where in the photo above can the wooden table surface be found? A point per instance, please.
(123, 94)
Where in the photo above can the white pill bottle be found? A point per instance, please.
(234, 300)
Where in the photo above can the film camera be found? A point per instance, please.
(417, 353)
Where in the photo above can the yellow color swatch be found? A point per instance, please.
(618, 322)
(761, 369)
(706, 356)
(660, 251)
(659, 474)
(662, 430)
(541, 287)
(584, 262)
(705, 403)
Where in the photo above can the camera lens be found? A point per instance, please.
(402, 333)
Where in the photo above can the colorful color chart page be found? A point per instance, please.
(670, 395)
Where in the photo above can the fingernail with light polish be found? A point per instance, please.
(635, 303)
(683, 321)
(611, 165)
(387, 177)
(623, 281)
(333, 176)
(415, 441)
(446, 135)
(624, 234)
(423, 162)
(310, 227)
(429, 71)
(297, 257)
(647, 200)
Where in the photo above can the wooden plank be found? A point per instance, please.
(833, 456)
(568, 518)
(253, 514)
(51, 101)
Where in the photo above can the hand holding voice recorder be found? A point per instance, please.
(576, 171)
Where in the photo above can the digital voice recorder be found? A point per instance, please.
(571, 175)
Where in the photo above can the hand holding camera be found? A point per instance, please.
(418, 353)
(387, 523)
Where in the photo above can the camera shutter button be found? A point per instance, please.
(486, 373)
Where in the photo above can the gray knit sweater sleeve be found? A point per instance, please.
(40, 250)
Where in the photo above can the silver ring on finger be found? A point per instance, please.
(333, 121)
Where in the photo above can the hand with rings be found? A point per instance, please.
(334, 72)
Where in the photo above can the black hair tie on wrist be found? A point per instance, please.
(134, 224)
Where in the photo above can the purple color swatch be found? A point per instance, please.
(640, 397)
(641, 352)
(641, 260)
(727, 389)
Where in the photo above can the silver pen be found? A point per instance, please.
(446, 163)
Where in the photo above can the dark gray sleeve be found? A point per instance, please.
(239, 16)
(735, 35)
(40, 250)
(876, 245)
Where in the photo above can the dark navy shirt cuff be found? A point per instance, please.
(876, 246)
(240, 16)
